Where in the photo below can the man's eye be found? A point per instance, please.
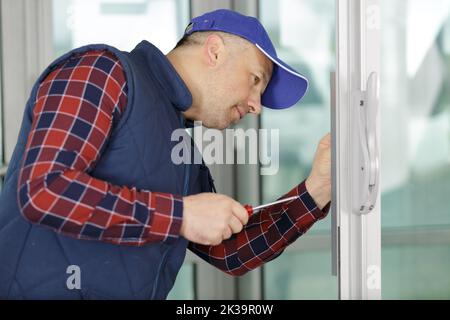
(257, 80)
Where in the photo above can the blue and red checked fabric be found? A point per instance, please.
(266, 235)
(77, 106)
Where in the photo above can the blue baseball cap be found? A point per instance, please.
(286, 86)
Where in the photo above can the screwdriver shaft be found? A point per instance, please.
(274, 203)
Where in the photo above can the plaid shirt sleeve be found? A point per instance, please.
(265, 236)
(75, 110)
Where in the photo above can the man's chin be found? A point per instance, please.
(221, 124)
(216, 126)
(222, 127)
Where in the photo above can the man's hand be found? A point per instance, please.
(318, 183)
(210, 218)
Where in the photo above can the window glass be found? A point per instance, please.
(300, 274)
(303, 33)
(185, 284)
(415, 141)
(119, 23)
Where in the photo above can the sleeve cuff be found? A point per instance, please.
(167, 216)
(308, 200)
(303, 211)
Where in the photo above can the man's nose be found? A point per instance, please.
(254, 104)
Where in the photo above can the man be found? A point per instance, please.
(94, 208)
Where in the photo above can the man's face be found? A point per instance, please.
(235, 88)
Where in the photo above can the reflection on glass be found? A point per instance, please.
(303, 33)
(122, 24)
(415, 159)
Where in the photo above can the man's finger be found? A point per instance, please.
(235, 224)
(240, 212)
(326, 140)
(227, 234)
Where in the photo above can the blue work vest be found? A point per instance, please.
(34, 260)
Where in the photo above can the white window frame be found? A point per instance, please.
(359, 235)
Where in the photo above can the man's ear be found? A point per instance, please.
(213, 49)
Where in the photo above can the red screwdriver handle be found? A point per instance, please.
(249, 209)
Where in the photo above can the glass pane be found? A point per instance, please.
(185, 284)
(415, 159)
(303, 33)
(405, 276)
(120, 23)
(300, 275)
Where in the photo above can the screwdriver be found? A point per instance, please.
(251, 210)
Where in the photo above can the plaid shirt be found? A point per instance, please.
(76, 108)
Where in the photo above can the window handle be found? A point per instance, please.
(367, 153)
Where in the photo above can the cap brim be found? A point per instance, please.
(286, 86)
